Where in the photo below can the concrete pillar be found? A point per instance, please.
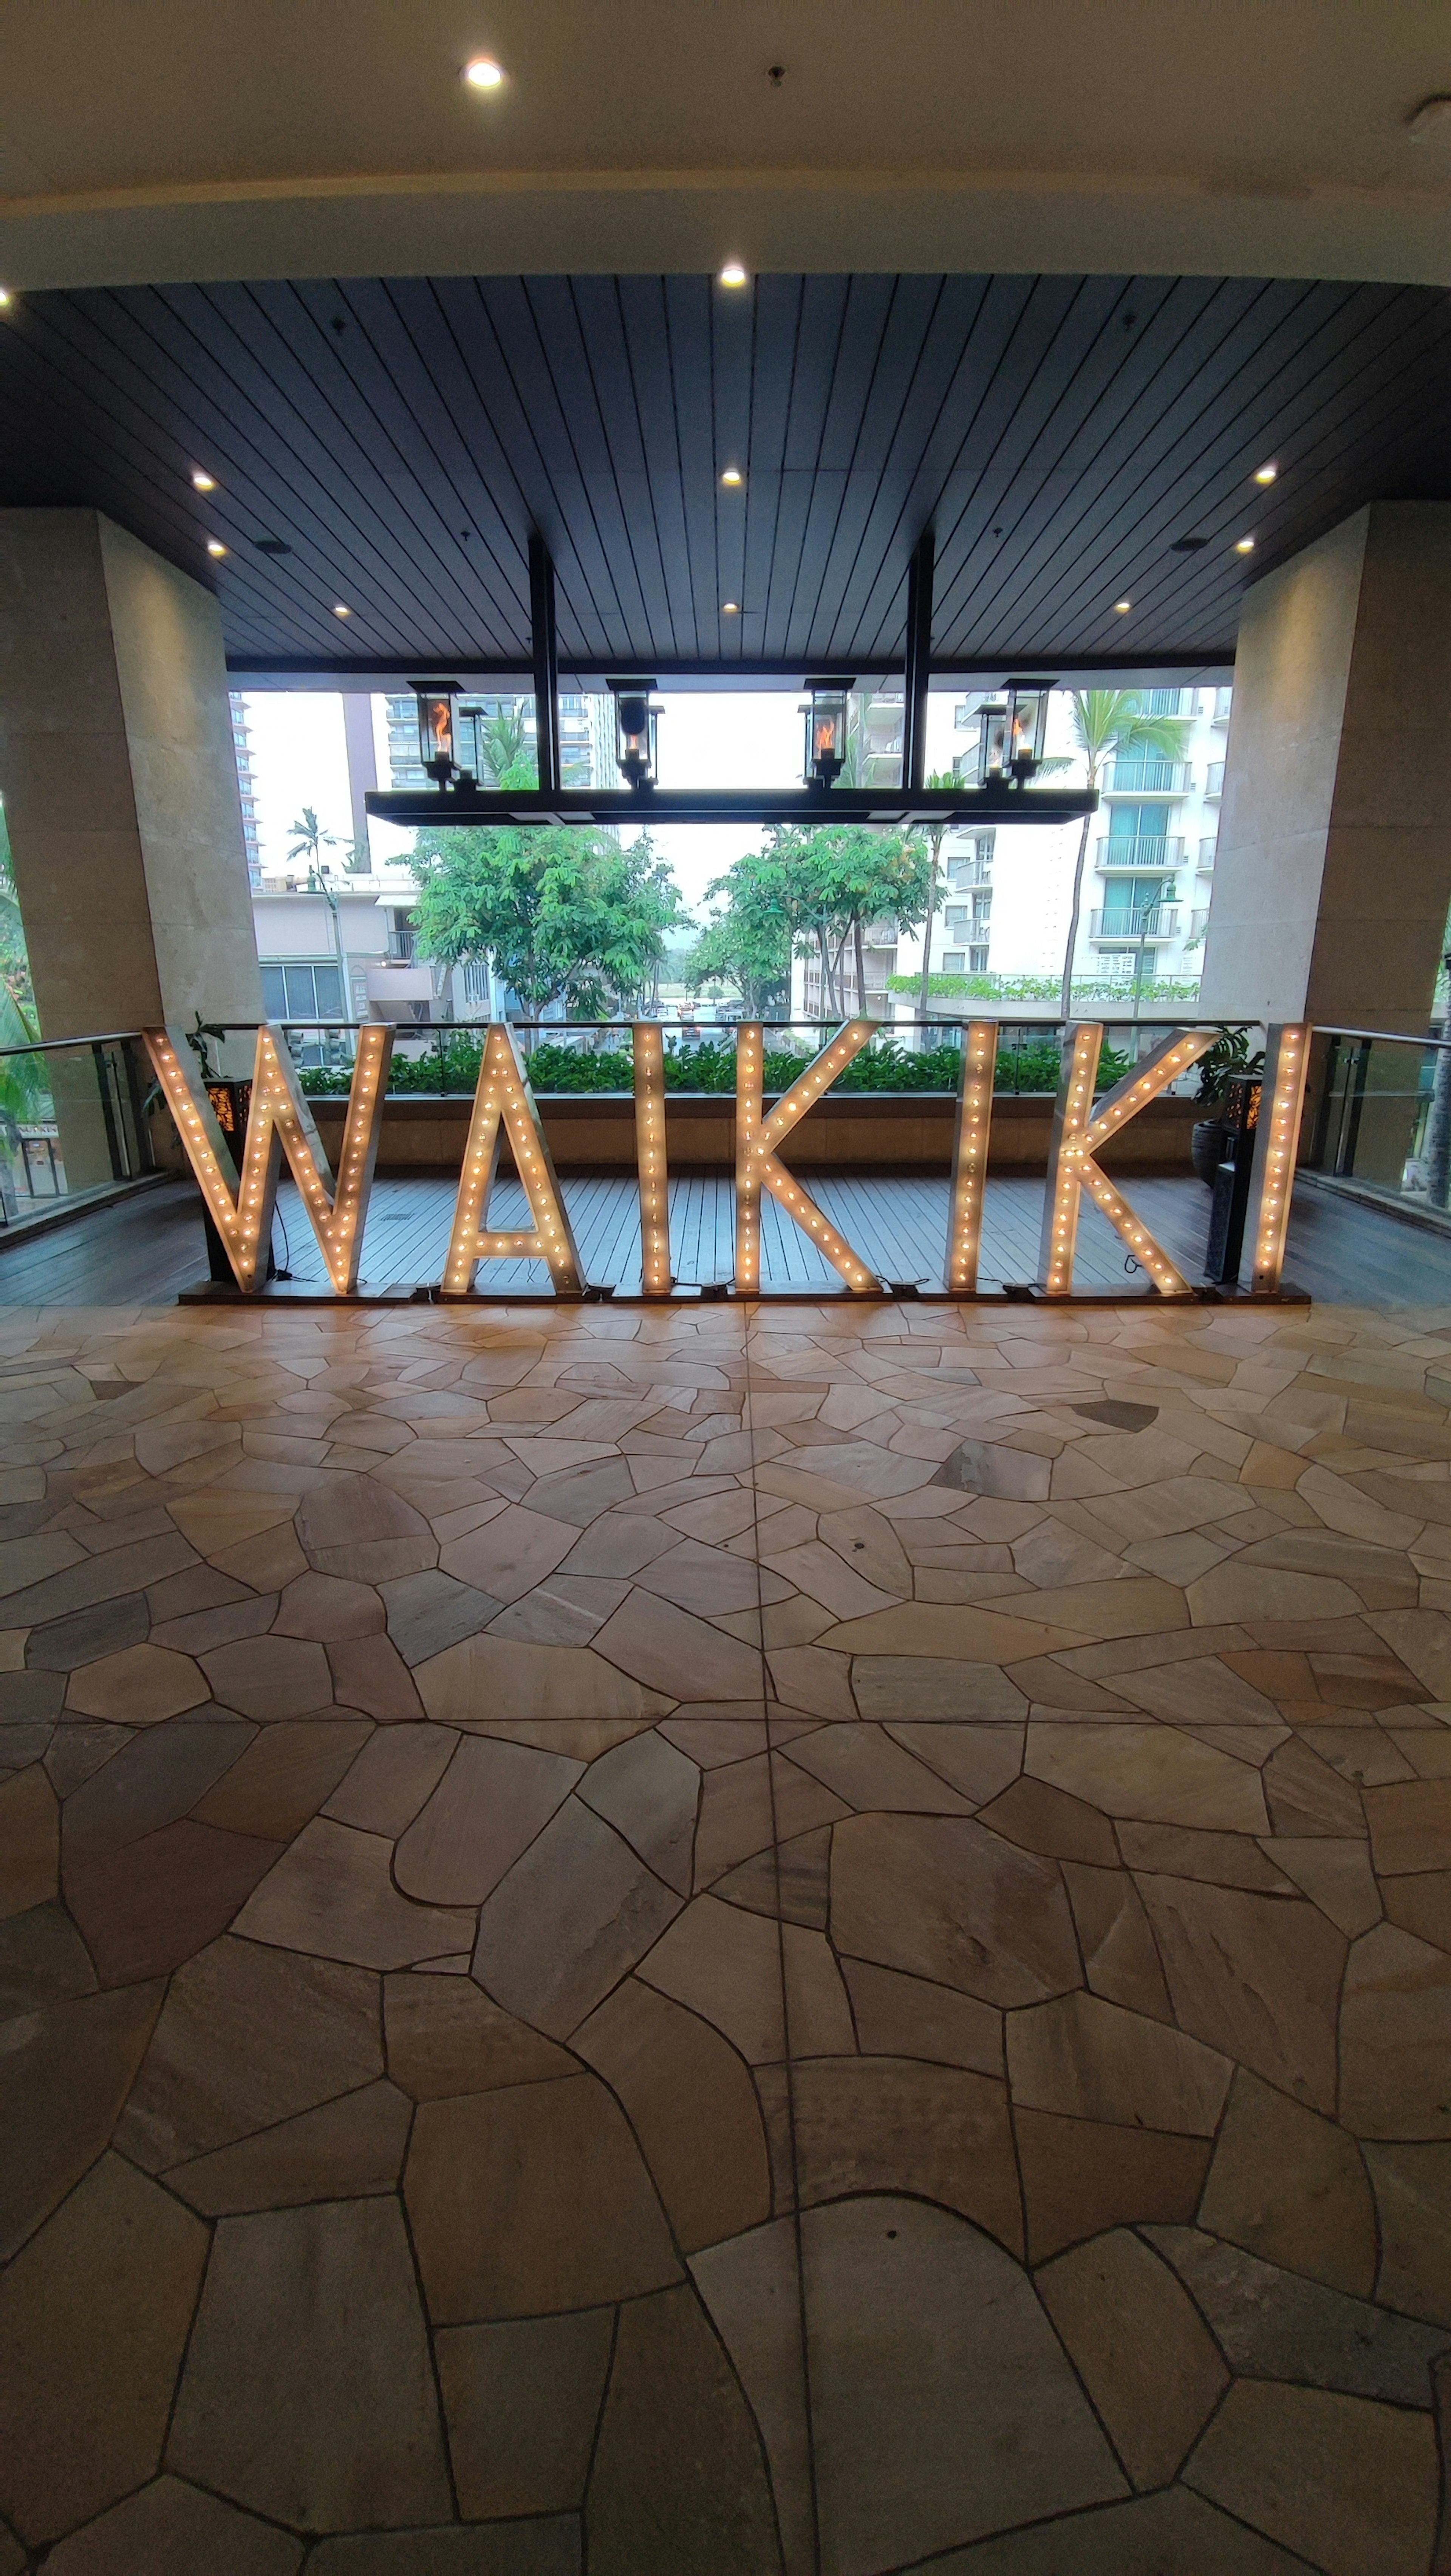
(1333, 872)
(119, 780)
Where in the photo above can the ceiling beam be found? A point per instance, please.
(917, 672)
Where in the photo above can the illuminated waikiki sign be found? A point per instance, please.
(240, 1200)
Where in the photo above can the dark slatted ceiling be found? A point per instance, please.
(400, 437)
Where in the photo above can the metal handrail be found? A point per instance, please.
(806, 1020)
(1381, 1037)
(55, 1046)
(803, 1020)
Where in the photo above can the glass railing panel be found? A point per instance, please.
(1147, 777)
(1380, 1120)
(74, 1125)
(1144, 851)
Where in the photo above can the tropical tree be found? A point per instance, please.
(625, 902)
(562, 910)
(841, 876)
(1110, 724)
(748, 943)
(23, 1078)
(309, 840)
(14, 956)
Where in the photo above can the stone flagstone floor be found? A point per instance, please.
(705, 1944)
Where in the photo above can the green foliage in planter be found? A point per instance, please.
(708, 1065)
(1230, 1054)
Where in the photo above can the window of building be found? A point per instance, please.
(1165, 702)
(476, 984)
(956, 919)
(302, 992)
(977, 961)
(982, 905)
(952, 963)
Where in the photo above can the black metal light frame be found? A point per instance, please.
(1007, 797)
(467, 803)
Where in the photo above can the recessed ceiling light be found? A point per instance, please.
(732, 476)
(1266, 473)
(215, 547)
(1244, 545)
(340, 611)
(5, 296)
(484, 73)
(202, 481)
(733, 274)
(273, 546)
(1121, 607)
(730, 608)
(1188, 545)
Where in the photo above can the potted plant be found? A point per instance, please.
(1230, 1055)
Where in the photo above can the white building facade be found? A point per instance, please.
(1006, 895)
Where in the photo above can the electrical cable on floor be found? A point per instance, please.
(286, 1273)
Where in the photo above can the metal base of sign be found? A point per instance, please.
(293, 1292)
(300, 1292)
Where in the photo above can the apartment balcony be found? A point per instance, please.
(1207, 849)
(1223, 700)
(401, 945)
(1126, 855)
(1113, 928)
(1214, 782)
(1147, 778)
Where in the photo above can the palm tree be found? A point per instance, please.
(309, 840)
(504, 754)
(1111, 724)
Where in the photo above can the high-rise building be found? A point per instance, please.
(1007, 894)
(242, 747)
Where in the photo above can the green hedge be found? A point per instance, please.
(710, 1066)
(1044, 988)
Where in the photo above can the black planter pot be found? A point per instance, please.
(1206, 1148)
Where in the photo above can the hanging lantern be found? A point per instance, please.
(468, 721)
(992, 740)
(1026, 722)
(436, 728)
(825, 712)
(637, 718)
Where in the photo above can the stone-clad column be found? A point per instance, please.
(1333, 871)
(119, 781)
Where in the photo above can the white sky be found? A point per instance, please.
(297, 759)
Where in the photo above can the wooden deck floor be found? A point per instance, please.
(148, 1249)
